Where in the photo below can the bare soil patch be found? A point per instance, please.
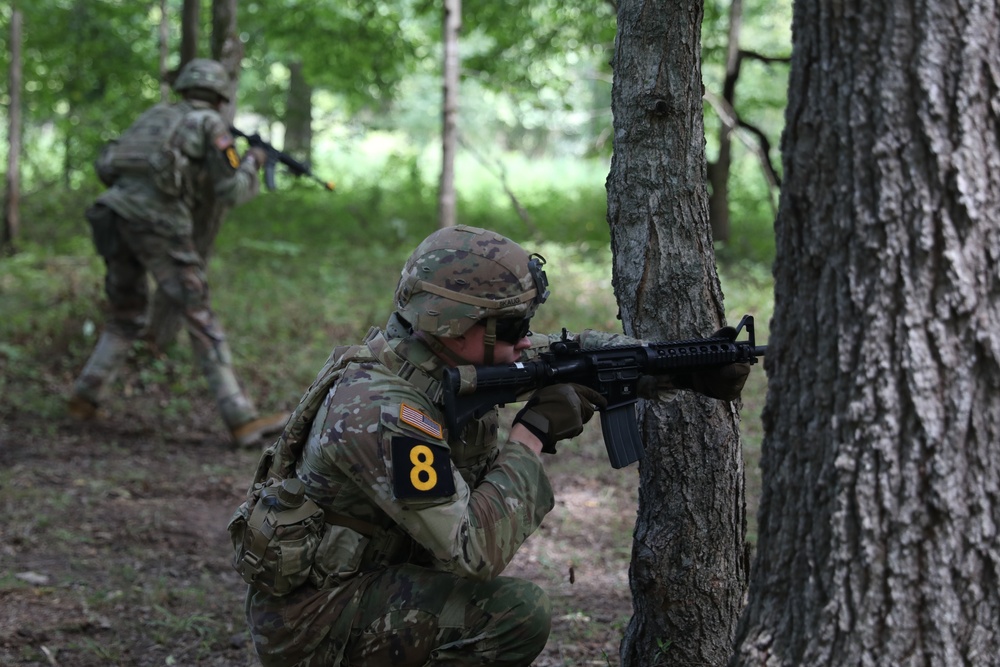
(113, 548)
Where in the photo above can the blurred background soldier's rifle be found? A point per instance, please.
(274, 157)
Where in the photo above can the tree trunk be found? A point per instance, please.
(228, 50)
(881, 499)
(298, 114)
(164, 44)
(166, 320)
(12, 187)
(718, 172)
(190, 30)
(689, 564)
(449, 111)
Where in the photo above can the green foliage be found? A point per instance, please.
(361, 50)
(86, 64)
(759, 100)
(518, 44)
(303, 269)
(536, 84)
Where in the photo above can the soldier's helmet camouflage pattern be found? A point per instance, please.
(206, 74)
(461, 275)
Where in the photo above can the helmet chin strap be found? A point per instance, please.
(443, 351)
(489, 340)
(440, 349)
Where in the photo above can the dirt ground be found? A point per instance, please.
(113, 547)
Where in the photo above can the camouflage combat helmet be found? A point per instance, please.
(205, 74)
(463, 275)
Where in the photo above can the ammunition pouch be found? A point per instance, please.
(104, 228)
(351, 547)
(276, 533)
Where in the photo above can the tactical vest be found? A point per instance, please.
(147, 149)
(276, 532)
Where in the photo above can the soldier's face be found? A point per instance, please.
(472, 347)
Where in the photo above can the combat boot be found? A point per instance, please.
(81, 408)
(255, 430)
(102, 366)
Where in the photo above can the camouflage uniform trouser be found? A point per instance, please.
(130, 250)
(410, 616)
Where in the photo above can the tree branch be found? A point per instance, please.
(498, 170)
(760, 148)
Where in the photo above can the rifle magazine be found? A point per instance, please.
(621, 435)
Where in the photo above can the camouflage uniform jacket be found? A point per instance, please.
(379, 454)
(209, 169)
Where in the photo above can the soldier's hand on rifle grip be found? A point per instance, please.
(558, 412)
(257, 154)
(722, 382)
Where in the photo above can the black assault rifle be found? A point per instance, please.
(471, 391)
(274, 156)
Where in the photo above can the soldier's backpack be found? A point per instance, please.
(147, 148)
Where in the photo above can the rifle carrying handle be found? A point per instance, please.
(621, 435)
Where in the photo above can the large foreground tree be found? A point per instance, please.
(689, 570)
(881, 459)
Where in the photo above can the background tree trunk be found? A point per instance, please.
(298, 114)
(452, 25)
(166, 321)
(12, 186)
(718, 172)
(689, 564)
(881, 500)
(190, 30)
(164, 39)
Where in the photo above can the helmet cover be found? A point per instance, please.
(461, 275)
(205, 74)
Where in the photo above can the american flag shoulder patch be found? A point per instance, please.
(418, 420)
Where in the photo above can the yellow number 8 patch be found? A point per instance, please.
(422, 459)
(420, 469)
(233, 157)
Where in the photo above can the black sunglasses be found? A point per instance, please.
(513, 330)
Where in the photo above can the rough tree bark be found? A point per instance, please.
(881, 499)
(689, 563)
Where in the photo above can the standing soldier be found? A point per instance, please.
(173, 160)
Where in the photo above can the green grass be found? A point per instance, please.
(300, 270)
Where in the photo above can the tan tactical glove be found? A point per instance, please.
(722, 382)
(558, 412)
